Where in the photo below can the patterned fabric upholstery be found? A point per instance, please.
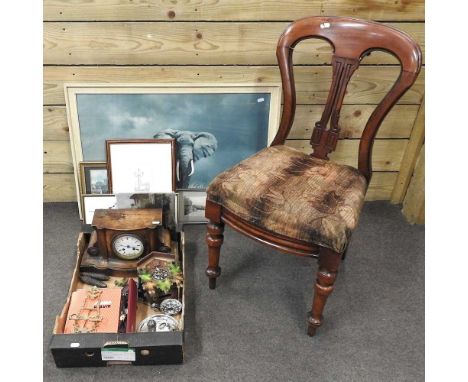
(285, 191)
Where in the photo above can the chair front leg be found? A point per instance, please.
(214, 239)
(329, 262)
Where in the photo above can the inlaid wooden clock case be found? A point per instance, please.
(108, 225)
(84, 350)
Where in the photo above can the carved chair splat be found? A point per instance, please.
(351, 40)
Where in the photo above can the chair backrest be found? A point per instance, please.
(351, 39)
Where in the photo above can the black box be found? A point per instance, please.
(86, 350)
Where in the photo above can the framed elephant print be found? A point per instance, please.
(214, 125)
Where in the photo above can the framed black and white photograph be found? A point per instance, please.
(214, 125)
(93, 178)
(192, 207)
(95, 202)
(141, 166)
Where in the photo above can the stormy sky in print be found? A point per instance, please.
(238, 121)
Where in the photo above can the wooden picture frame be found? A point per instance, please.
(98, 112)
(131, 157)
(86, 181)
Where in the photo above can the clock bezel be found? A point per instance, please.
(140, 238)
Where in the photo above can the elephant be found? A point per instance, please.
(191, 146)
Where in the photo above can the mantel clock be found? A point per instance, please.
(122, 238)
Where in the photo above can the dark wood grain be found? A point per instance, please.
(351, 40)
(127, 218)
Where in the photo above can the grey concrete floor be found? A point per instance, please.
(252, 327)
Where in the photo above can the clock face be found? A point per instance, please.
(128, 246)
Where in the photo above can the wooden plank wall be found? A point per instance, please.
(414, 202)
(408, 163)
(229, 41)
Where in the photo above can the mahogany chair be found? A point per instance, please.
(305, 204)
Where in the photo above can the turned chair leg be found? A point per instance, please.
(329, 262)
(214, 239)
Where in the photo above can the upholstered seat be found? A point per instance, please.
(287, 192)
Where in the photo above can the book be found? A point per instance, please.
(94, 311)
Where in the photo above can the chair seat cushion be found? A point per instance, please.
(287, 192)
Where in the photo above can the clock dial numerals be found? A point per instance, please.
(128, 246)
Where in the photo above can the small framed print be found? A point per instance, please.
(93, 178)
(192, 207)
(94, 202)
(144, 166)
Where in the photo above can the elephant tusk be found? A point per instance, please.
(177, 171)
(193, 168)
